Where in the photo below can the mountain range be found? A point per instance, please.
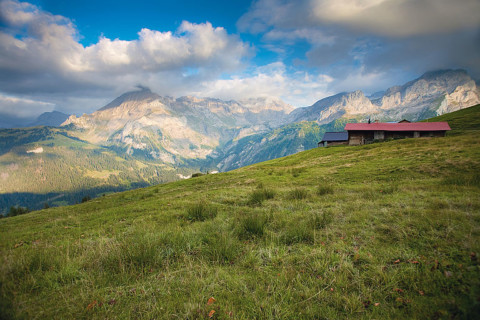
(432, 94)
(146, 125)
(142, 138)
(51, 119)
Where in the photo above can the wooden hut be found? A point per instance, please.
(334, 139)
(363, 133)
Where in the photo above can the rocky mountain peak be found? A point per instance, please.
(142, 95)
(433, 93)
(53, 119)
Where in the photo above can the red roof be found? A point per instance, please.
(416, 126)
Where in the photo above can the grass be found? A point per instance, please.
(297, 194)
(464, 121)
(258, 196)
(392, 232)
(201, 212)
(251, 225)
(324, 189)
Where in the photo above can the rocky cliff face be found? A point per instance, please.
(170, 129)
(434, 93)
(334, 107)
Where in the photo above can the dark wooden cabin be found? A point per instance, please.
(363, 133)
(334, 139)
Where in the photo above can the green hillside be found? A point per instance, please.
(285, 140)
(68, 169)
(383, 231)
(279, 142)
(462, 121)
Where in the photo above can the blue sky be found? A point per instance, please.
(76, 56)
(123, 19)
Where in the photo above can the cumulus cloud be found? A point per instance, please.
(321, 47)
(273, 80)
(399, 18)
(381, 17)
(363, 39)
(40, 52)
(193, 45)
(51, 43)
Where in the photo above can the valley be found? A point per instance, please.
(142, 139)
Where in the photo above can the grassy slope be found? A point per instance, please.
(462, 121)
(388, 230)
(66, 170)
(286, 140)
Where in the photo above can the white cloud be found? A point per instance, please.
(351, 44)
(398, 18)
(299, 89)
(312, 35)
(193, 45)
(23, 108)
(17, 14)
(40, 52)
(385, 40)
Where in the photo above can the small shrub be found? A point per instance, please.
(257, 197)
(42, 260)
(198, 174)
(86, 198)
(139, 252)
(368, 193)
(15, 211)
(201, 212)
(324, 189)
(146, 196)
(298, 194)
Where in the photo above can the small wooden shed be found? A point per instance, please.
(363, 133)
(334, 139)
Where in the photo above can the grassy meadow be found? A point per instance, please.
(384, 231)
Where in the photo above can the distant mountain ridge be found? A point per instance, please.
(142, 138)
(146, 124)
(432, 94)
(51, 119)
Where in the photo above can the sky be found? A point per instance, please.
(76, 56)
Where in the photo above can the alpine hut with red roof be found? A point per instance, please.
(363, 133)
